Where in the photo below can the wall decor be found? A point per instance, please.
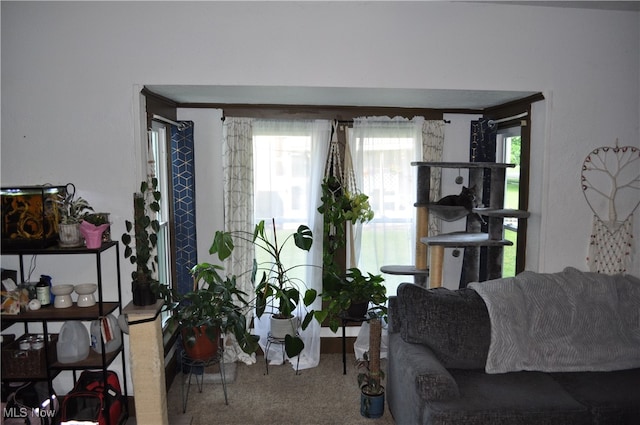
(610, 181)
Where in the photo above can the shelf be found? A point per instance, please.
(404, 270)
(57, 250)
(52, 314)
(467, 165)
(93, 361)
(446, 212)
(501, 212)
(32, 378)
(48, 314)
(464, 239)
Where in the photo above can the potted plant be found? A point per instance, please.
(276, 290)
(71, 211)
(92, 228)
(214, 305)
(144, 227)
(339, 207)
(371, 375)
(350, 296)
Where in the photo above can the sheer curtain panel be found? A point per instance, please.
(288, 167)
(237, 157)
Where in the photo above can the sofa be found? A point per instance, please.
(570, 353)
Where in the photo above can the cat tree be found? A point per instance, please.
(430, 249)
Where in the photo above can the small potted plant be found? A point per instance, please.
(370, 374)
(214, 306)
(145, 227)
(72, 210)
(92, 228)
(276, 290)
(350, 296)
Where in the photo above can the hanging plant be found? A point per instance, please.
(338, 207)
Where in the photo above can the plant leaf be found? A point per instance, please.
(222, 245)
(293, 345)
(303, 237)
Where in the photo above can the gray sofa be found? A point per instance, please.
(439, 341)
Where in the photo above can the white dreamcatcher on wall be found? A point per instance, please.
(610, 183)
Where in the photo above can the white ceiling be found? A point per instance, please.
(338, 96)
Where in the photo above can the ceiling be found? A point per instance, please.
(337, 96)
(633, 5)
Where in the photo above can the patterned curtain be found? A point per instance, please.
(482, 148)
(237, 157)
(432, 142)
(184, 204)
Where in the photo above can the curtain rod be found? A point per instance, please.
(345, 122)
(498, 121)
(180, 125)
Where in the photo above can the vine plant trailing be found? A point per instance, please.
(340, 206)
(146, 203)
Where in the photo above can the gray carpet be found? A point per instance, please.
(321, 395)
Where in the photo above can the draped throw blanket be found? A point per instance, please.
(562, 322)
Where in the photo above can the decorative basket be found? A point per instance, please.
(19, 363)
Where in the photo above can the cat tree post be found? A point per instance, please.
(423, 188)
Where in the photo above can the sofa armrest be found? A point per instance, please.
(419, 364)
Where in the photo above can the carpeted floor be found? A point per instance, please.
(321, 395)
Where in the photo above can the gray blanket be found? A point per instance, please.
(562, 322)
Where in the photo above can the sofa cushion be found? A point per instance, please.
(612, 397)
(518, 398)
(453, 323)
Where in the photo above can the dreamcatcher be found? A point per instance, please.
(610, 183)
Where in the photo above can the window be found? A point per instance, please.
(384, 168)
(158, 165)
(284, 182)
(283, 186)
(508, 143)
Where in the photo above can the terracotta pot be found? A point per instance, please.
(203, 348)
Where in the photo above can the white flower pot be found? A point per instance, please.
(69, 235)
(283, 327)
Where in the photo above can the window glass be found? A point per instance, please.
(389, 180)
(158, 166)
(509, 142)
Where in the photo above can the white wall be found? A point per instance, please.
(71, 71)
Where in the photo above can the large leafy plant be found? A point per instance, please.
(276, 290)
(215, 304)
(341, 292)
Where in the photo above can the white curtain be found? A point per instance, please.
(382, 150)
(237, 158)
(288, 165)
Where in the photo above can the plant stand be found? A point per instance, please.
(345, 320)
(196, 367)
(278, 341)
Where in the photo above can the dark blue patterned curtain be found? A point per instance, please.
(482, 148)
(184, 203)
